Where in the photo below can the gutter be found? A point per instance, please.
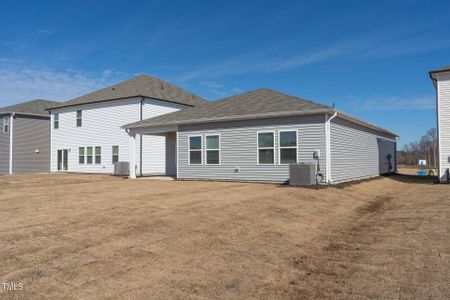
(328, 146)
(140, 142)
(11, 118)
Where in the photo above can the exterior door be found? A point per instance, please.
(63, 160)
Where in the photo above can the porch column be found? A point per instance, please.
(132, 155)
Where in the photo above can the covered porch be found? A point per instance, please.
(170, 134)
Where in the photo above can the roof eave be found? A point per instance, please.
(118, 99)
(23, 114)
(232, 118)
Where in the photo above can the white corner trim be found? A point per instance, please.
(176, 154)
(328, 146)
(11, 118)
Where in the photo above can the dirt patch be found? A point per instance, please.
(87, 236)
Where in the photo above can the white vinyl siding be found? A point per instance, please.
(355, 151)
(101, 126)
(443, 88)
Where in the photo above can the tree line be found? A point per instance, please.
(426, 148)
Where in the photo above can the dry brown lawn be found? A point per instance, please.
(101, 237)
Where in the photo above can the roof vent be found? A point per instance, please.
(162, 85)
(113, 88)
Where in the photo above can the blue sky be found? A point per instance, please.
(371, 58)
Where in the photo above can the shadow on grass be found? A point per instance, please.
(408, 178)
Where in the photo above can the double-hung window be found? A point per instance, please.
(212, 149)
(79, 118)
(56, 121)
(89, 155)
(5, 124)
(266, 148)
(81, 153)
(195, 150)
(98, 155)
(115, 154)
(287, 147)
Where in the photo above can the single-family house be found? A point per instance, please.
(86, 133)
(255, 136)
(25, 137)
(441, 81)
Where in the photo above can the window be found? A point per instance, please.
(89, 155)
(266, 150)
(195, 150)
(288, 147)
(115, 154)
(56, 121)
(212, 149)
(5, 124)
(79, 118)
(81, 158)
(98, 155)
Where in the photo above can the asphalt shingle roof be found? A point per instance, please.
(139, 86)
(258, 102)
(35, 107)
(443, 69)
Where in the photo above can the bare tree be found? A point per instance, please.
(426, 148)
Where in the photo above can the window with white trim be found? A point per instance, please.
(98, 155)
(212, 149)
(195, 150)
(56, 121)
(115, 154)
(81, 155)
(287, 143)
(89, 155)
(5, 124)
(266, 148)
(79, 118)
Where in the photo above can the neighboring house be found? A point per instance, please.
(441, 81)
(86, 131)
(25, 137)
(256, 135)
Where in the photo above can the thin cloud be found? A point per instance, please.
(20, 82)
(386, 103)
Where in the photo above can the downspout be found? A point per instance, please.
(328, 145)
(140, 142)
(11, 118)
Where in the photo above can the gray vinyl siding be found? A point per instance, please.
(4, 148)
(355, 151)
(238, 148)
(31, 134)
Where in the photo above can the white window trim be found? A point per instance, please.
(81, 118)
(112, 153)
(54, 120)
(84, 155)
(189, 149)
(95, 155)
(4, 124)
(262, 148)
(290, 147)
(92, 156)
(219, 149)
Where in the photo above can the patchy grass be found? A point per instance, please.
(93, 236)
